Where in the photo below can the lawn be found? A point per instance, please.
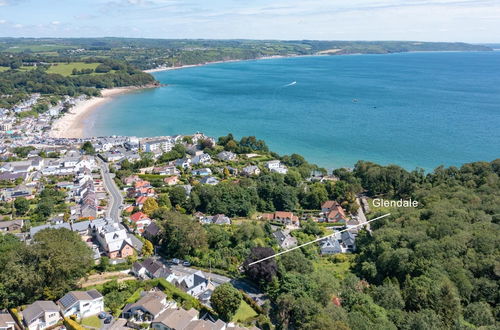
(66, 69)
(92, 322)
(338, 269)
(4, 68)
(244, 313)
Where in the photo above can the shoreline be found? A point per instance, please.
(72, 123)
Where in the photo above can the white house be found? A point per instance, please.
(41, 315)
(81, 303)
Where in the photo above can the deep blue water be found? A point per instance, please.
(412, 109)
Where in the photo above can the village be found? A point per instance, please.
(111, 214)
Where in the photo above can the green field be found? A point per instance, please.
(36, 48)
(339, 269)
(244, 313)
(65, 69)
(4, 68)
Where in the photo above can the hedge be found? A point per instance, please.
(177, 294)
(72, 325)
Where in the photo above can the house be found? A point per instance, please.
(209, 180)
(201, 159)
(11, 225)
(114, 240)
(332, 212)
(276, 166)
(81, 303)
(171, 180)
(148, 307)
(193, 284)
(139, 201)
(202, 172)
(141, 221)
(250, 170)
(330, 245)
(151, 231)
(226, 156)
(40, 315)
(166, 170)
(348, 240)
(284, 239)
(183, 162)
(219, 219)
(175, 319)
(151, 268)
(7, 321)
(285, 218)
(131, 179)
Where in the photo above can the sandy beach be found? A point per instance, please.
(71, 125)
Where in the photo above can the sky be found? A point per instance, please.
(476, 21)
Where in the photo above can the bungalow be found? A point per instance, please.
(285, 218)
(226, 156)
(202, 172)
(151, 231)
(183, 162)
(209, 180)
(40, 315)
(171, 180)
(166, 170)
(81, 303)
(11, 225)
(349, 241)
(176, 319)
(139, 201)
(148, 307)
(250, 170)
(330, 245)
(201, 159)
(219, 219)
(284, 239)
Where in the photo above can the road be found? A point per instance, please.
(115, 196)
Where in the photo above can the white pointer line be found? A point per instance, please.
(316, 240)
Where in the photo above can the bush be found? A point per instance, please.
(72, 325)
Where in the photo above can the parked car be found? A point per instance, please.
(108, 320)
(186, 263)
(176, 261)
(102, 315)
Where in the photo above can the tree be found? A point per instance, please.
(150, 205)
(103, 264)
(479, 314)
(88, 148)
(226, 300)
(164, 201)
(182, 235)
(22, 205)
(147, 248)
(262, 271)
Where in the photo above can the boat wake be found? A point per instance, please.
(290, 84)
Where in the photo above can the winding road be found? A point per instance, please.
(115, 196)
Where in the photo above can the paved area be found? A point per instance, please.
(115, 196)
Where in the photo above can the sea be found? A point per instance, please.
(415, 110)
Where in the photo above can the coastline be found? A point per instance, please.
(224, 61)
(72, 123)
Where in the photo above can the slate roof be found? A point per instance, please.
(36, 309)
(70, 298)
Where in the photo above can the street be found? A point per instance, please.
(115, 196)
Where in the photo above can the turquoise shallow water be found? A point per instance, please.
(412, 109)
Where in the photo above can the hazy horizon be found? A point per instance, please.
(470, 21)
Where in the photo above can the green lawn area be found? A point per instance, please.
(92, 322)
(4, 68)
(244, 313)
(65, 69)
(338, 269)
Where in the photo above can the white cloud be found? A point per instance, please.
(55, 23)
(2, 21)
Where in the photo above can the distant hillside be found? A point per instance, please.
(150, 53)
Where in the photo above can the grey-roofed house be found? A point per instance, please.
(284, 239)
(40, 315)
(7, 321)
(348, 240)
(82, 303)
(210, 180)
(175, 319)
(11, 225)
(330, 245)
(194, 284)
(151, 268)
(226, 155)
(151, 231)
(148, 307)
